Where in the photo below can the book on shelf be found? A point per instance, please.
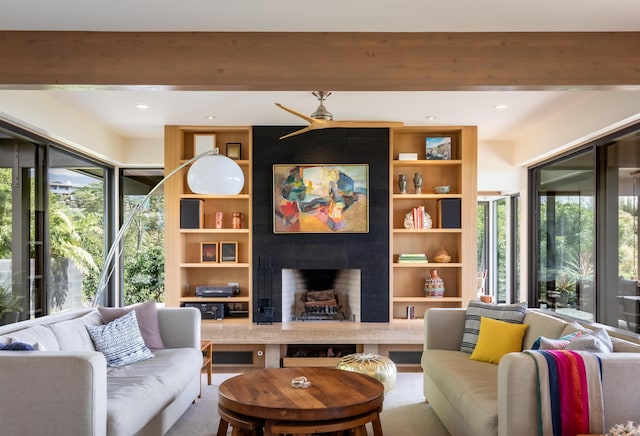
(412, 257)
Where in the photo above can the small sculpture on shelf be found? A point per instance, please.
(402, 183)
(417, 183)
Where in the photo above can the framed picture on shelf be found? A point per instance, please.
(321, 198)
(203, 142)
(438, 147)
(234, 150)
(228, 251)
(208, 252)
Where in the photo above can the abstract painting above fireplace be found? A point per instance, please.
(320, 198)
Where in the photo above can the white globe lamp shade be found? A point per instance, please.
(215, 175)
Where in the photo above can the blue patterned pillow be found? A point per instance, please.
(17, 346)
(120, 340)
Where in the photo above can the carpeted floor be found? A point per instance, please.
(404, 411)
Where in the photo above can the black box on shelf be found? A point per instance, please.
(449, 213)
(209, 310)
(191, 213)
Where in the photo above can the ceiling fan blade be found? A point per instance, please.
(297, 132)
(296, 113)
(315, 123)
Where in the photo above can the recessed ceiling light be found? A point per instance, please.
(430, 117)
(500, 106)
(210, 117)
(142, 106)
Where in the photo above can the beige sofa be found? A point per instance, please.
(68, 389)
(478, 398)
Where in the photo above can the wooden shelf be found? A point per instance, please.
(407, 278)
(214, 299)
(214, 265)
(427, 299)
(426, 265)
(425, 163)
(217, 197)
(219, 231)
(184, 246)
(424, 196)
(426, 230)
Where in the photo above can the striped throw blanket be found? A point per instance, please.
(569, 392)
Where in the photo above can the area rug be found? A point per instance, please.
(405, 411)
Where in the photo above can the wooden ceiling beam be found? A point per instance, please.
(299, 61)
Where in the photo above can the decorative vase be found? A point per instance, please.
(442, 256)
(236, 223)
(417, 183)
(434, 285)
(402, 183)
(379, 367)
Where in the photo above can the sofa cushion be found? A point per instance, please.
(40, 334)
(496, 339)
(622, 346)
(541, 324)
(147, 316)
(561, 343)
(470, 386)
(138, 391)
(597, 341)
(72, 334)
(120, 341)
(513, 313)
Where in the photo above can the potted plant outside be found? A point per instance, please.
(10, 306)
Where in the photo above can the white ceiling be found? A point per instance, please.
(525, 110)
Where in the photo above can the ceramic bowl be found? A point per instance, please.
(442, 189)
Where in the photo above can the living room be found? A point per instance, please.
(571, 118)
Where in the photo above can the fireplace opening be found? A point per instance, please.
(321, 294)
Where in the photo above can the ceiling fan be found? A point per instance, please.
(323, 119)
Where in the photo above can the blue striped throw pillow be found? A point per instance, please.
(513, 313)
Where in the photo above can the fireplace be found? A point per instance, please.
(321, 294)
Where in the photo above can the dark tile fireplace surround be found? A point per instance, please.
(368, 252)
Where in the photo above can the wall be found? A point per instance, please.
(367, 251)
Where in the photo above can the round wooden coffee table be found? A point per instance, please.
(336, 400)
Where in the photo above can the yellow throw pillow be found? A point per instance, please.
(496, 339)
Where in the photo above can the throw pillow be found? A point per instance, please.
(147, 316)
(120, 341)
(17, 346)
(561, 343)
(496, 339)
(597, 341)
(513, 313)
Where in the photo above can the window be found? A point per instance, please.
(53, 223)
(498, 233)
(76, 229)
(565, 213)
(585, 238)
(143, 254)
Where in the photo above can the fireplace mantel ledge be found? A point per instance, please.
(315, 332)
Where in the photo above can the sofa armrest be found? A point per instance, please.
(518, 400)
(517, 395)
(53, 392)
(443, 328)
(180, 327)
